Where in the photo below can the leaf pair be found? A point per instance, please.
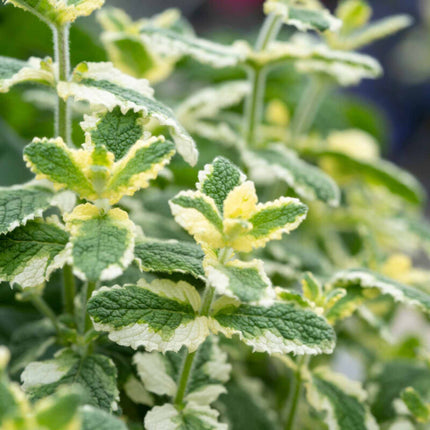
(164, 316)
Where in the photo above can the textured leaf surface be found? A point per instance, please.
(279, 328)
(160, 372)
(30, 253)
(382, 172)
(343, 401)
(101, 243)
(96, 419)
(308, 181)
(367, 279)
(170, 257)
(96, 375)
(58, 13)
(13, 71)
(302, 17)
(102, 84)
(192, 417)
(21, 203)
(161, 316)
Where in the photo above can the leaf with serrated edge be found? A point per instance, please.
(302, 17)
(13, 71)
(193, 416)
(58, 12)
(280, 328)
(367, 279)
(102, 85)
(96, 374)
(277, 162)
(22, 203)
(96, 419)
(169, 257)
(161, 316)
(101, 243)
(342, 400)
(30, 253)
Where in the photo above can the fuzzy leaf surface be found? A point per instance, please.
(97, 419)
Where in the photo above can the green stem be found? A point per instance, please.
(69, 290)
(257, 78)
(189, 359)
(44, 309)
(308, 106)
(296, 392)
(91, 286)
(62, 59)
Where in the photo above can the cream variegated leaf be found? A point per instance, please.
(367, 279)
(30, 253)
(304, 16)
(102, 85)
(169, 257)
(95, 374)
(279, 328)
(101, 243)
(279, 163)
(160, 372)
(342, 401)
(13, 71)
(193, 416)
(58, 12)
(161, 316)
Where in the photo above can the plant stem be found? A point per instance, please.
(308, 106)
(296, 391)
(69, 290)
(44, 309)
(62, 60)
(257, 78)
(91, 286)
(189, 359)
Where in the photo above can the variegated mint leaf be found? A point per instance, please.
(30, 253)
(58, 12)
(96, 374)
(169, 257)
(13, 71)
(102, 85)
(302, 16)
(279, 328)
(364, 278)
(279, 163)
(97, 419)
(416, 405)
(243, 280)
(193, 416)
(342, 401)
(161, 316)
(101, 243)
(21, 203)
(159, 372)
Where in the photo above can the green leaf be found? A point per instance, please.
(58, 13)
(419, 409)
(279, 328)
(279, 163)
(381, 172)
(166, 41)
(160, 372)
(13, 71)
(169, 257)
(29, 254)
(161, 316)
(367, 279)
(246, 281)
(21, 203)
(96, 419)
(301, 16)
(102, 84)
(101, 243)
(95, 374)
(192, 417)
(341, 400)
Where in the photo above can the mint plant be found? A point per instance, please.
(225, 303)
